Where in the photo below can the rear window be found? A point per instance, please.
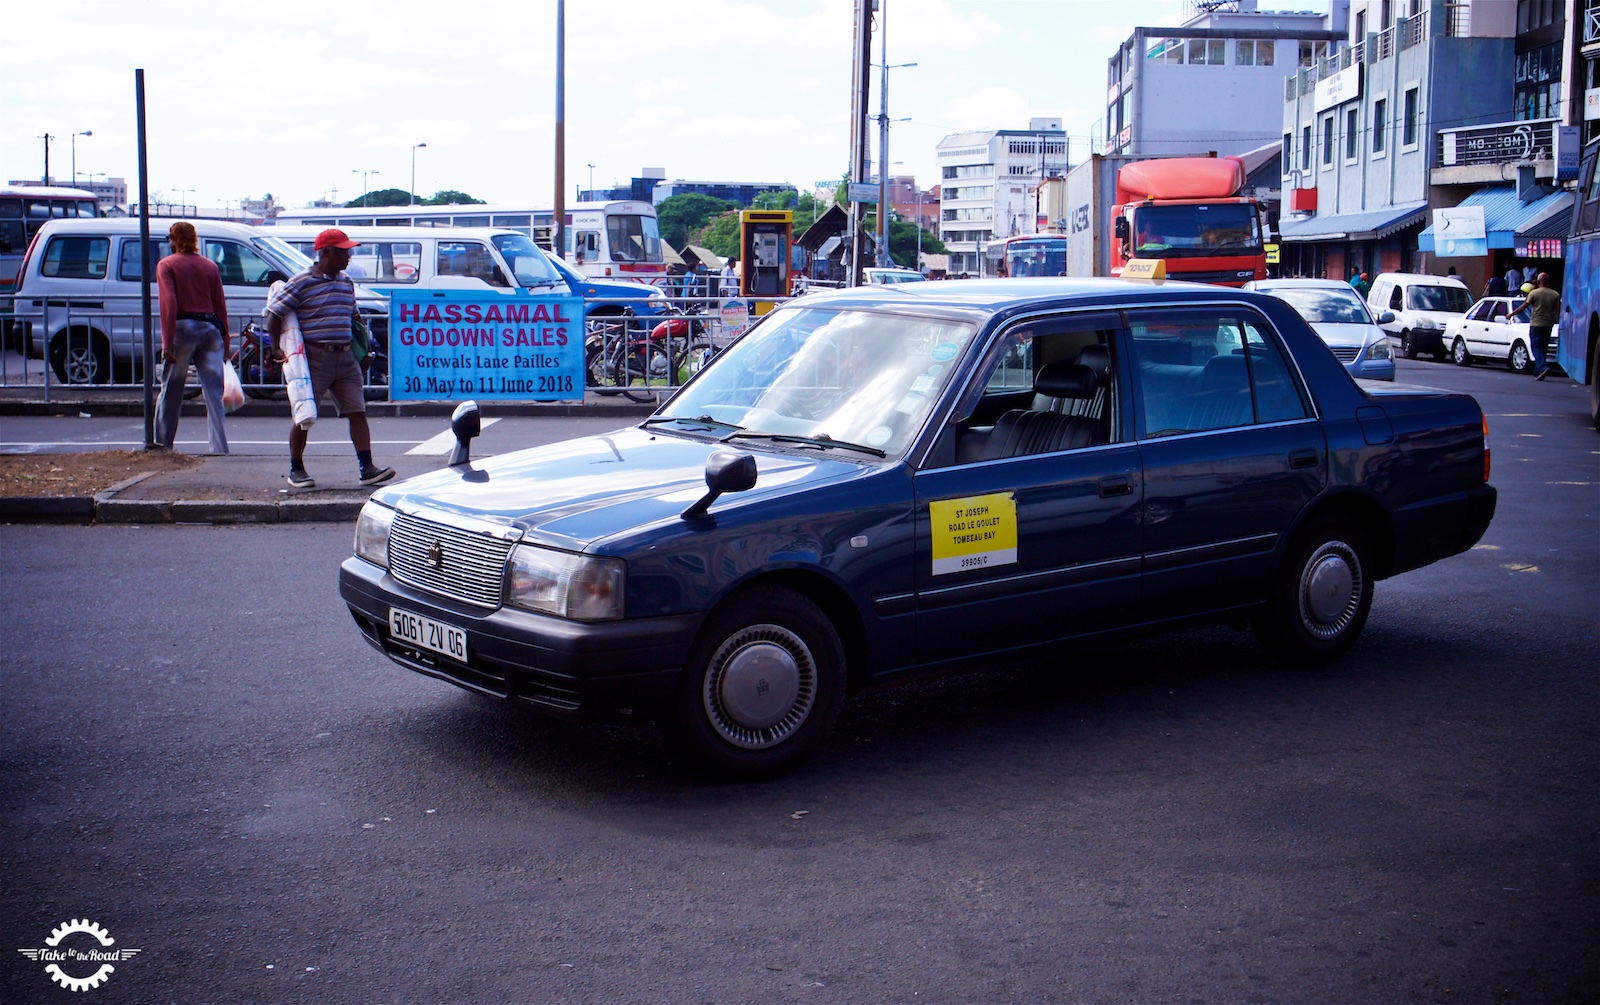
(129, 264)
(1449, 299)
(76, 258)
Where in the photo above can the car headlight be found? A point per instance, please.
(580, 587)
(372, 533)
(1379, 350)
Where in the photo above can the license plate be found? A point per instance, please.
(426, 633)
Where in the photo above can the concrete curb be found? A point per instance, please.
(105, 507)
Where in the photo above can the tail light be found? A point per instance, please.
(1486, 449)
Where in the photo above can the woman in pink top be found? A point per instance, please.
(194, 327)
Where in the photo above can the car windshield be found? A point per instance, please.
(1319, 306)
(1196, 230)
(287, 253)
(1447, 299)
(527, 262)
(841, 376)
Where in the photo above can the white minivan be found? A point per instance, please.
(79, 290)
(438, 258)
(1422, 306)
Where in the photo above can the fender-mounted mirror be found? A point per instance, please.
(465, 422)
(726, 471)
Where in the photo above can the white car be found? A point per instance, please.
(877, 277)
(1336, 312)
(1496, 328)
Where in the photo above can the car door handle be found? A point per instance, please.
(1116, 485)
(1306, 458)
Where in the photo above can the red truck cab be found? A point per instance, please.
(1189, 212)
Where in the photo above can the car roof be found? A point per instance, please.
(1268, 285)
(296, 231)
(1418, 279)
(982, 297)
(159, 225)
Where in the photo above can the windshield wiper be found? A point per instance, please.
(707, 421)
(822, 440)
(533, 284)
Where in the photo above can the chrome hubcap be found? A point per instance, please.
(1330, 590)
(760, 687)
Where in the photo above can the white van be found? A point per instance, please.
(1422, 306)
(438, 258)
(80, 293)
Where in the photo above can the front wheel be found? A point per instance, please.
(763, 686)
(1520, 360)
(1321, 595)
(1459, 353)
(1408, 344)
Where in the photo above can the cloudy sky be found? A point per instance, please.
(299, 99)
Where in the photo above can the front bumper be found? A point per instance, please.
(626, 670)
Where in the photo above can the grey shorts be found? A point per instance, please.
(334, 369)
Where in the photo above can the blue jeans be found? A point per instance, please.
(200, 342)
(1538, 335)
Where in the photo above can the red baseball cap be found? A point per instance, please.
(334, 238)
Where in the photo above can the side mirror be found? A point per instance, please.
(274, 276)
(465, 422)
(1120, 228)
(726, 471)
(1387, 317)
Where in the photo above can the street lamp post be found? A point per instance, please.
(47, 138)
(591, 183)
(183, 201)
(86, 132)
(883, 140)
(414, 148)
(365, 174)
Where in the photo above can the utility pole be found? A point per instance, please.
(883, 137)
(47, 138)
(559, 224)
(860, 82)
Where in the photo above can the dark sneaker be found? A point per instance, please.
(299, 479)
(1542, 374)
(371, 474)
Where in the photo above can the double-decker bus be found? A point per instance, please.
(1035, 255)
(23, 210)
(1579, 352)
(618, 238)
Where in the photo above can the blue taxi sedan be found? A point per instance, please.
(897, 480)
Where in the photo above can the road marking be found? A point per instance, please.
(443, 443)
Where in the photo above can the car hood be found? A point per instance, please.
(1347, 334)
(578, 493)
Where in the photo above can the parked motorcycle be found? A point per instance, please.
(624, 355)
(261, 372)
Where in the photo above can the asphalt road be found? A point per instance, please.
(201, 756)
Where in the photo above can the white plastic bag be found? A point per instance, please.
(232, 390)
(296, 371)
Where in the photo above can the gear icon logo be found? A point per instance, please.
(80, 956)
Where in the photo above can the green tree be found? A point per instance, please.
(682, 215)
(450, 197)
(903, 242)
(720, 235)
(774, 199)
(382, 197)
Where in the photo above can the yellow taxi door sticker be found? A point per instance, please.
(975, 532)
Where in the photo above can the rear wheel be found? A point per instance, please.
(763, 686)
(1520, 360)
(1321, 595)
(1459, 353)
(81, 356)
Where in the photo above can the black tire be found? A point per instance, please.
(81, 356)
(253, 371)
(1408, 344)
(695, 358)
(1520, 360)
(1594, 385)
(763, 686)
(1320, 596)
(1459, 353)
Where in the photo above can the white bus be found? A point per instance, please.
(23, 210)
(619, 238)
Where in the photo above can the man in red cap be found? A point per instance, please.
(323, 300)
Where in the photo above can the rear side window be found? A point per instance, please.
(1200, 370)
(76, 258)
(129, 264)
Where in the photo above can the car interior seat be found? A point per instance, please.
(1019, 432)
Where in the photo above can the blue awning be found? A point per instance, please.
(1505, 216)
(1365, 226)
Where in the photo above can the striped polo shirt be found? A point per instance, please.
(322, 305)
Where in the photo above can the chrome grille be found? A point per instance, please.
(472, 567)
(1346, 353)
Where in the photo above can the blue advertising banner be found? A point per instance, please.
(458, 344)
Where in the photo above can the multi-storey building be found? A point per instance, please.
(1432, 106)
(1213, 84)
(1584, 31)
(989, 186)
